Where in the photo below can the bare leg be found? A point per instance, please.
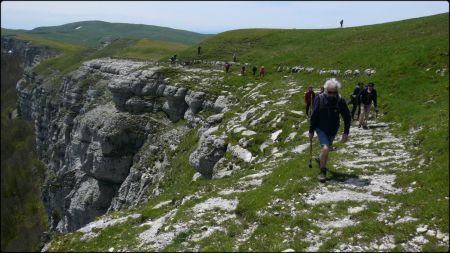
(362, 115)
(324, 156)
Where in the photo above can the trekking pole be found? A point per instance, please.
(310, 153)
(376, 113)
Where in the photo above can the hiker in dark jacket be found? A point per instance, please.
(173, 59)
(309, 98)
(325, 121)
(254, 71)
(354, 100)
(227, 67)
(366, 97)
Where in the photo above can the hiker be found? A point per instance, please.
(354, 100)
(254, 71)
(243, 70)
(173, 59)
(234, 57)
(227, 67)
(366, 97)
(262, 71)
(325, 121)
(199, 50)
(342, 22)
(309, 98)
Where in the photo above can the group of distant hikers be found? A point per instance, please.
(324, 111)
(262, 70)
(361, 98)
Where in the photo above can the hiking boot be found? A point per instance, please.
(323, 175)
(365, 127)
(359, 125)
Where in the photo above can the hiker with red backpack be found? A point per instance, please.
(309, 98)
(325, 118)
(262, 71)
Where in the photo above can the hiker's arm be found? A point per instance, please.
(314, 115)
(345, 112)
(375, 98)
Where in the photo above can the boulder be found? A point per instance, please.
(211, 149)
(195, 101)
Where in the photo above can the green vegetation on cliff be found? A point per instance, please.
(23, 218)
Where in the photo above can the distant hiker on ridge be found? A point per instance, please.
(367, 95)
(309, 98)
(243, 70)
(342, 23)
(254, 71)
(199, 50)
(325, 121)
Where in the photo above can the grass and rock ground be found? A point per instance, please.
(376, 198)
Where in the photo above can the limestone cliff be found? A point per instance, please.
(106, 134)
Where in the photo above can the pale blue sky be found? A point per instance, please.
(215, 17)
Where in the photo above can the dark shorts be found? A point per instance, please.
(324, 139)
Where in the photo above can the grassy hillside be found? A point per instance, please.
(412, 96)
(405, 54)
(91, 33)
(145, 49)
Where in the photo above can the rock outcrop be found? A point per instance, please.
(28, 53)
(106, 135)
(210, 149)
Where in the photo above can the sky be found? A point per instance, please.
(215, 17)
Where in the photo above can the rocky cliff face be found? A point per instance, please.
(29, 54)
(106, 134)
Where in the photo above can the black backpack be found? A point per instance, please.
(367, 97)
(322, 103)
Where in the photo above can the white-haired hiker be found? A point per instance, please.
(325, 121)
